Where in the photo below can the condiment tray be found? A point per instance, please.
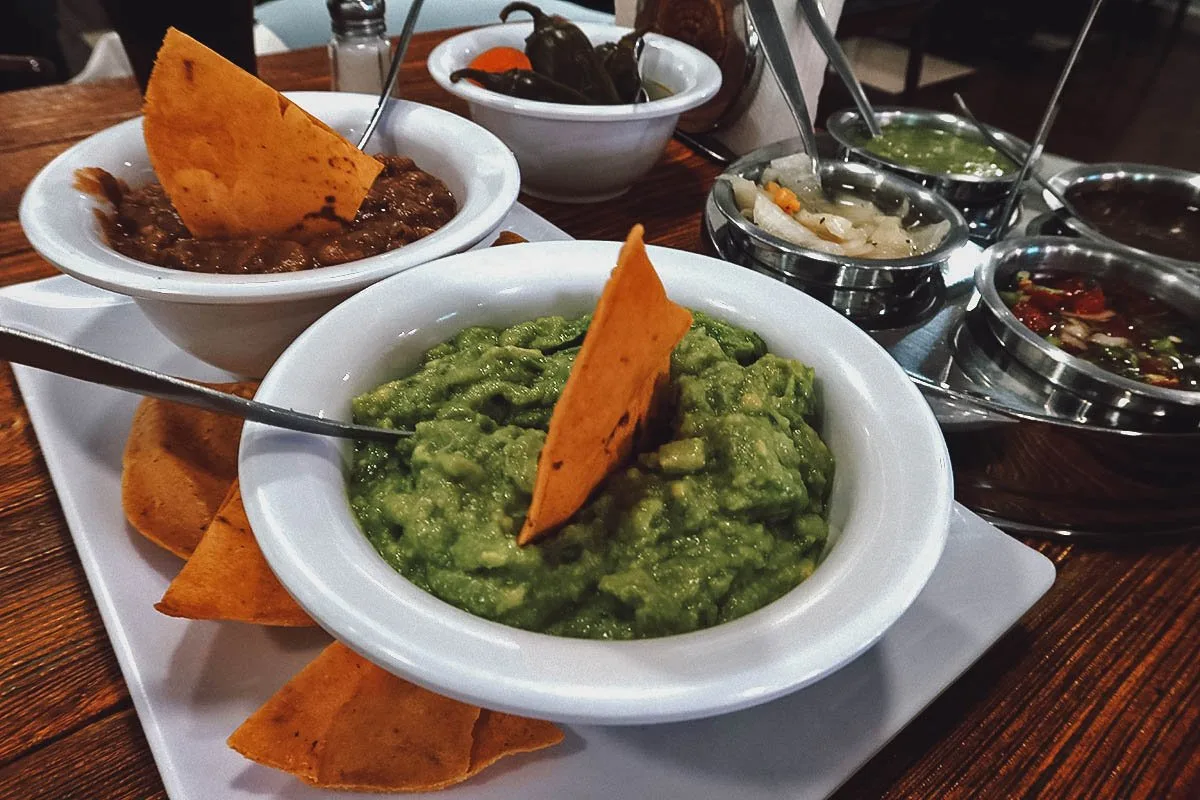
(993, 408)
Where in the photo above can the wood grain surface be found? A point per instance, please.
(1095, 694)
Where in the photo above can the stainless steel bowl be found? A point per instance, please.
(855, 286)
(1178, 187)
(1174, 287)
(980, 199)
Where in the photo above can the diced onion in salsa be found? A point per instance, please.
(1111, 324)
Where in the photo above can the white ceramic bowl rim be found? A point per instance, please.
(891, 536)
(107, 268)
(449, 56)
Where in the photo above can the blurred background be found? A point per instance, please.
(1131, 98)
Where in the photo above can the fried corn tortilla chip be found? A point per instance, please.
(178, 466)
(344, 723)
(237, 158)
(509, 237)
(625, 356)
(393, 734)
(498, 735)
(227, 577)
(288, 731)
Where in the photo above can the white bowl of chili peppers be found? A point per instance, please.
(586, 108)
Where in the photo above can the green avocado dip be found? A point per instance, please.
(725, 516)
(936, 150)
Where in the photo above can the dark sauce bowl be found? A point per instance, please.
(980, 199)
(1150, 211)
(1175, 288)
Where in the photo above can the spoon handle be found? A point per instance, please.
(64, 359)
(406, 33)
(775, 46)
(815, 17)
(1039, 141)
(1012, 155)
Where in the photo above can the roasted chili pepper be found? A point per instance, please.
(522, 83)
(562, 52)
(620, 61)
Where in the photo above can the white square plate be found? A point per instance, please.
(193, 683)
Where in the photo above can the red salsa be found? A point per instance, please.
(1111, 324)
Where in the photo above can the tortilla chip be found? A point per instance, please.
(498, 735)
(344, 723)
(288, 731)
(178, 466)
(239, 159)
(508, 237)
(625, 357)
(228, 578)
(393, 734)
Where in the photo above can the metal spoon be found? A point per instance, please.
(815, 17)
(774, 43)
(708, 146)
(639, 47)
(406, 33)
(64, 359)
(1039, 141)
(1012, 156)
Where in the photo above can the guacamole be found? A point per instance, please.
(725, 515)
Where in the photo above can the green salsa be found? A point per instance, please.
(726, 515)
(937, 150)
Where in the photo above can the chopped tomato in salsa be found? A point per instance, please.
(1111, 324)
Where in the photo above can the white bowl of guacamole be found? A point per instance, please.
(732, 576)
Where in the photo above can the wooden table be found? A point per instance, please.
(1096, 693)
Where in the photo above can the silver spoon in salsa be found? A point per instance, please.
(815, 17)
(1003, 149)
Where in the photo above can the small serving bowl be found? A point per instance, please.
(241, 323)
(579, 153)
(980, 199)
(1177, 191)
(1056, 366)
(889, 506)
(857, 287)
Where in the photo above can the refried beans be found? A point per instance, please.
(405, 204)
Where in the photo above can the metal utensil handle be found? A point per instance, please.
(814, 15)
(410, 22)
(708, 146)
(779, 57)
(64, 359)
(1010, 154)
(1039, 141)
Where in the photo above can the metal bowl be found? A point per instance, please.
(980, 199)
(852, 285)
(1178, 188)
(1174, 287)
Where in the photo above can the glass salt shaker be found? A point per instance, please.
(359, 51)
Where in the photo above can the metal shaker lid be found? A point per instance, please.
(357, 17)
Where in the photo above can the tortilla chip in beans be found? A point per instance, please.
(228, 578)
(237, 158)
(178, 466)
(625, 357)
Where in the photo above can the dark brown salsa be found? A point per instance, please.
(1111, 324)
(405, 204)
(1159, 219)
